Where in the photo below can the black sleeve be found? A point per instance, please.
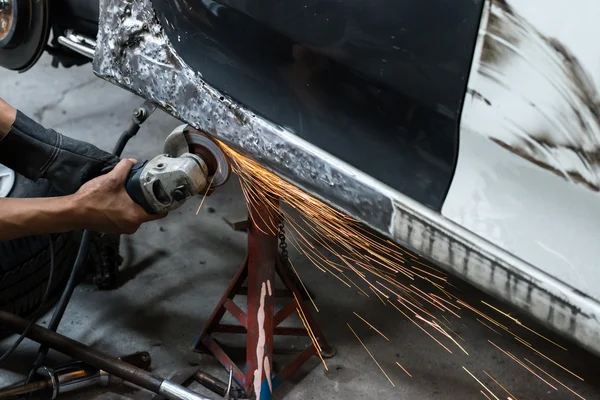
(36, 152)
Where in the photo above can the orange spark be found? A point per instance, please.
(403, 369)
(551, 360)
(361, 342)
(420, 327)
(313, 339)
(487, 326)
(481, 383)
(371, 326)
(359, 255)
(451, 329)
(515, 359)
(523, 326)
(205, 193)
(556, 380)
(503, 388)
(302, 283)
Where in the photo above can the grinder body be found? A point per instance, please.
(165, 182)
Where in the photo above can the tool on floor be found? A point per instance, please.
(261, 323)
(187, 376)
(182, 376)
(99, 360)
(218, 386)
(227, 395)
(70, 377)
(191, 164)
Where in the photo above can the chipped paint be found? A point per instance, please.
(260, 346)
(267, 362)
(134, 53)
(267, 367)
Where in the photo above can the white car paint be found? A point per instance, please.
(528, 171)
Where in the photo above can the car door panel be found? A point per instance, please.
(528, 174)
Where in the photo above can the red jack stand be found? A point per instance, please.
(261, 323)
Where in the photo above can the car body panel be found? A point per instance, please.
(134, 52)
(528, 174)
(381, 91)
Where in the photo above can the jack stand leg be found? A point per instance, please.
(262, 253)
(260, 269)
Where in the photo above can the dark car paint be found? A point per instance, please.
(377, 84)
(79, 15)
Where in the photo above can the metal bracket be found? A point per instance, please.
(78, 43)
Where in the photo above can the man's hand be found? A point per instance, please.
(101, 205)
(104, 205)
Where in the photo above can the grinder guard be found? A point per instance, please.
(185, 139)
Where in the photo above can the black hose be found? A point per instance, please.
(59, 311)
(130, 132)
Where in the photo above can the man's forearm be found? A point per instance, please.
(7, 117)
(25, 217)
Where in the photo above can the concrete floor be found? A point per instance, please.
(177, 268)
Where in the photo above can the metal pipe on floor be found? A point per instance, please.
(212, 383)
(95, 358)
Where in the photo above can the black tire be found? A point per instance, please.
(25, 262)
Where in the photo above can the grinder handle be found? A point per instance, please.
(134, 186)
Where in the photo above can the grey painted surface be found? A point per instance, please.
(133, 52)
(183, 264)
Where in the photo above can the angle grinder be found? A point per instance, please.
(192, 163)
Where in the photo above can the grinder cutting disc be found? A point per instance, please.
(185, 139)
(24, 30)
